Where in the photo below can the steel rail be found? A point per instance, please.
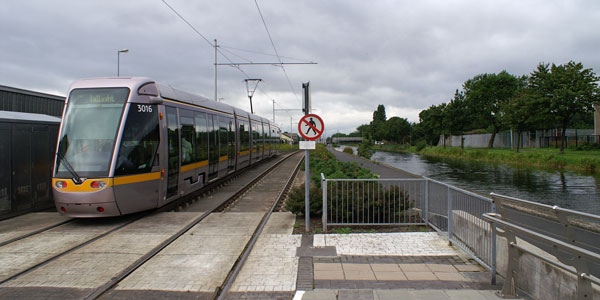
(98, 292)
(237, 267)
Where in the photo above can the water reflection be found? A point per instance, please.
(565, 189)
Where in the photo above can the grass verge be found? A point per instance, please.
(585, 162)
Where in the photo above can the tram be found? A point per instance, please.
(131, 144)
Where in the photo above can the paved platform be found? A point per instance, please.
(90, 266)
(411, 265)
(273, 264)
(23, 254)
(199, 261)
(21, 225)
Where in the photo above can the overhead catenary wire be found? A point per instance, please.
(275, 49)
(262, 53)
(225, 56)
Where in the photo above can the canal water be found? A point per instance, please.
(565, 189)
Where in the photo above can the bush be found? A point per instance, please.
(420, 145)
(295, 201)
(348, 150)
(365, 151)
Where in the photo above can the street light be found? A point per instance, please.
(119, 60)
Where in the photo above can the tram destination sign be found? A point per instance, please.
(311, 127)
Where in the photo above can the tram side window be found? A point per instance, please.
(201, 137)
(255, 137)
(231, 138)
(223, 135)
(244, 136)
(262, 142)
(139, 144)
(213, 140)
(188, 141)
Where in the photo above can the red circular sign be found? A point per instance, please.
(311, 127)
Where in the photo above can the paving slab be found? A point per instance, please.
(317, 295)
(272, 265)
(420, 276)
(386, 244)
(21, 225)
(198, 261)
(96, 263)
(280, 223)
(28, 252)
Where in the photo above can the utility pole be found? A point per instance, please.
(273, 110)
(216, 49)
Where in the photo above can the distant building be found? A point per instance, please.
(290, 138)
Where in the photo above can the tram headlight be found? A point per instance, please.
(97, 184)
(60, 184)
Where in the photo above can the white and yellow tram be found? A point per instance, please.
(131, 144)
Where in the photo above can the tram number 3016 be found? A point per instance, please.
(144, 108)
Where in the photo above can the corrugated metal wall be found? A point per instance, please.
(13, 99)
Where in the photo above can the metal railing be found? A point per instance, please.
(454, 212)
(572, 237)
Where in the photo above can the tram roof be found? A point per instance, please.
(21, 117)
(165, 91)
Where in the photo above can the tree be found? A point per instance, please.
(431, 123)
(377, 130)
(396, 130)
(523, 112)
(379, 114)
(567, 90)
(486, 94)
(456, 119)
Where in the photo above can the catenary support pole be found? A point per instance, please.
(216, 49)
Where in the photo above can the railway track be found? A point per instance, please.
(13, 284)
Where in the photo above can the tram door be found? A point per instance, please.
(213, 141)
(173, 152)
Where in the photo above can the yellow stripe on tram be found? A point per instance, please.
(136, 178)
(194, 166)
(223, 158)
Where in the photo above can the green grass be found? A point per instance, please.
(586, 162)
(394, 148)
(287, 147)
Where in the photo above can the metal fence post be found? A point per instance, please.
(493, 228)
(449, 217)
(426, 208)
(324, 209)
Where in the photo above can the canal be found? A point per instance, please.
(563, 188)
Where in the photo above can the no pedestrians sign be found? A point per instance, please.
(311, 127)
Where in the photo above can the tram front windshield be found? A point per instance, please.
(89, 131)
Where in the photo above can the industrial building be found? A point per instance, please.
(29, 123)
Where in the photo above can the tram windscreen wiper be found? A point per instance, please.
(69, 167)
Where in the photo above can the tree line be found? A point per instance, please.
(552, 96)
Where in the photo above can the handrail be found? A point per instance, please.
(568, 255)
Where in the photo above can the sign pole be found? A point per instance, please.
(309, 123)
(306, 108)
(307, 189)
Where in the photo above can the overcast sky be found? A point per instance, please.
(406, 55)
